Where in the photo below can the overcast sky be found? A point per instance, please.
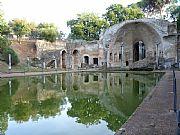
(55, 11)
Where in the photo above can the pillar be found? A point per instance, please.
(122, 54)
(157, 54)
(9, 62)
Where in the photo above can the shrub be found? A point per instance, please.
(14, 57)
(5, 50)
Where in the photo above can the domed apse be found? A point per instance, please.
(134, 42)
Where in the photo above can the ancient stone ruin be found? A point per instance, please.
(131, 45)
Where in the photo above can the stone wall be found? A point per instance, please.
(157, 37)
(141, 43)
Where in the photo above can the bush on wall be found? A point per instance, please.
(5, 50)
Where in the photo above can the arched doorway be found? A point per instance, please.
(86, 60)
(75, 59)
(64, 59)
(139, 52)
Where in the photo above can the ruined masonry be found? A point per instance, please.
(133, 44)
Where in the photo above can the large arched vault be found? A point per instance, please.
(140, 43)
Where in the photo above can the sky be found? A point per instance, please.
(55, 11)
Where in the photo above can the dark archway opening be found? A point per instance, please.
(75, 56)
(51, 64)
(139, 51)
(63, 59)
(95, 61)
(86, 60)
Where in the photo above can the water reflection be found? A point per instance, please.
(88, 98)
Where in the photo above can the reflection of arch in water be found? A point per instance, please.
(138, 88)
(76, 82)
(75, 59)
(63, 59)
(86, 78)
(64, 87)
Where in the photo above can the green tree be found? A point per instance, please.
(20, 28)
(133, 12)
(116, 13)
(33, 30)
(87, 26)
(154, 6)
(5, 50)
(4, 27)
(174, 11)
(48, 31)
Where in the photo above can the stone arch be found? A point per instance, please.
(126, 40)
(75, 61)
(63, 59)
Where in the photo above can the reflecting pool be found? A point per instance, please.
(86, 103)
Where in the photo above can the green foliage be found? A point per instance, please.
(48, 32)
(174, 11)
(154, 6)
(14, 57)
(5, 43)
(133, 12)
(20, 27)
(33, 30)
(5, 50)
(88, 111)
(4, 27)
(87, 26)
(116, 13)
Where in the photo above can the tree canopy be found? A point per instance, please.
(5, 50)
(154, 6)
(20, 27)
(116, 13)
(4, 27)
(87, 26)
(48, 31)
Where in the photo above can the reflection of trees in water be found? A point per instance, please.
(3, 123)
(23, 108)
(97, 101)
(33, 109)
(114, 121)
(5, 103)
(90, 111)
(87, 110)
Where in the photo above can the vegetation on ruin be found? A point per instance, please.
(5, 49)
(86, 26)
(47, 31)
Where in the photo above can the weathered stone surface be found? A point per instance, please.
(132, 44)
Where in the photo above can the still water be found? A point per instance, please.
(71, 103)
